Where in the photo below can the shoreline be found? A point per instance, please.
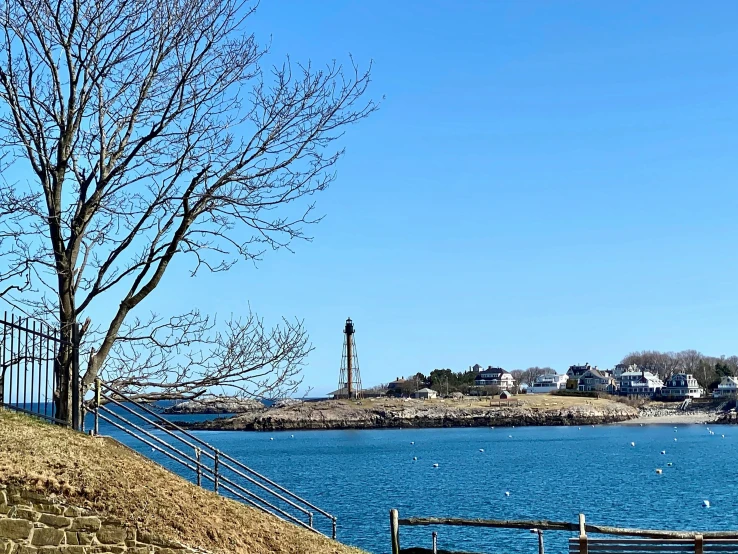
(390, 414)
(674, 419)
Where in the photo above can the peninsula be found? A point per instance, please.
(380, 413)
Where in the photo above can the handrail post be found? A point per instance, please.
(395, 531)
(334, 527)
(97, 406)
(199, 467)
(540, 542)
(215, 471)
(310, 519)
(435, 542)
(698, 544)
(583, 546)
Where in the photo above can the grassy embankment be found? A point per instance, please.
(104, 476)
(540, 401)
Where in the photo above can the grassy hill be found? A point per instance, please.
(104, 476)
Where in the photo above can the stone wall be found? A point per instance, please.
(31, 523)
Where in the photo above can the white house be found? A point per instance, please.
(728, 387)
(425, 394)
(682, 385)
(496, 377)
(640, 383)
(547, 383)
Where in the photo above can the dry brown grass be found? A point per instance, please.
(543, 401)
(104, 476)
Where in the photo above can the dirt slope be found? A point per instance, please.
(111, 479)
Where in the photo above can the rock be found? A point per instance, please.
(111, 534)
(87, 523)
(55, 521)
(46, 536)
(26, 513)
(6, 546)
(345, 415)
(216, 405)
(284, 402)
(15, 529)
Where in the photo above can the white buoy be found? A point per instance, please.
(412, 442)
(415, 458)
(632, 444)
(435, 465)
(663, 451)
(271, 438)
(507, 493)
(481, 449)
(580, 428)
(675, 439)
(641, 424)
(706, 503)
(292, 436)
(669, 464)
(722, 436)
(509, 436)
(658, 470)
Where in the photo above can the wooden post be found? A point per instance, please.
(395, 531)
(583, 547)
(698, 544)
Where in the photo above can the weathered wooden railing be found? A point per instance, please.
(650, 541)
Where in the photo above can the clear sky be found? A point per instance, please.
(546, 183)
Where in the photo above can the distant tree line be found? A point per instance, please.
(708, 370)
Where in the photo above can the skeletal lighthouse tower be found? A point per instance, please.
(349, 377)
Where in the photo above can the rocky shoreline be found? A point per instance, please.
(348, 415)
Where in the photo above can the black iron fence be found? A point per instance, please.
(210, 467)
(39, 375)
(34, 359)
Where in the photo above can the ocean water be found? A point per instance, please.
(550, 472)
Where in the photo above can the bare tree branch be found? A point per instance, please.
(151, 130)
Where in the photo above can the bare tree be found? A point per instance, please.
(138, 131)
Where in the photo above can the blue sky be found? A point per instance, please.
(546, 183)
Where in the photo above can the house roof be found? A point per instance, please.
(596, 373)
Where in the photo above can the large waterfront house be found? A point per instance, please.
(494, 377)
(728, 387)
(576, 371)
(681, 385)
(547, 383)
(596, 380)
(640, 383)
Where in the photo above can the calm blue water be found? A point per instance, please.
(550, 472)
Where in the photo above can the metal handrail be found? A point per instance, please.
(213, 474)
(197, 466)
(208, 454)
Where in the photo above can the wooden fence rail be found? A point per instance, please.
(724, 541)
